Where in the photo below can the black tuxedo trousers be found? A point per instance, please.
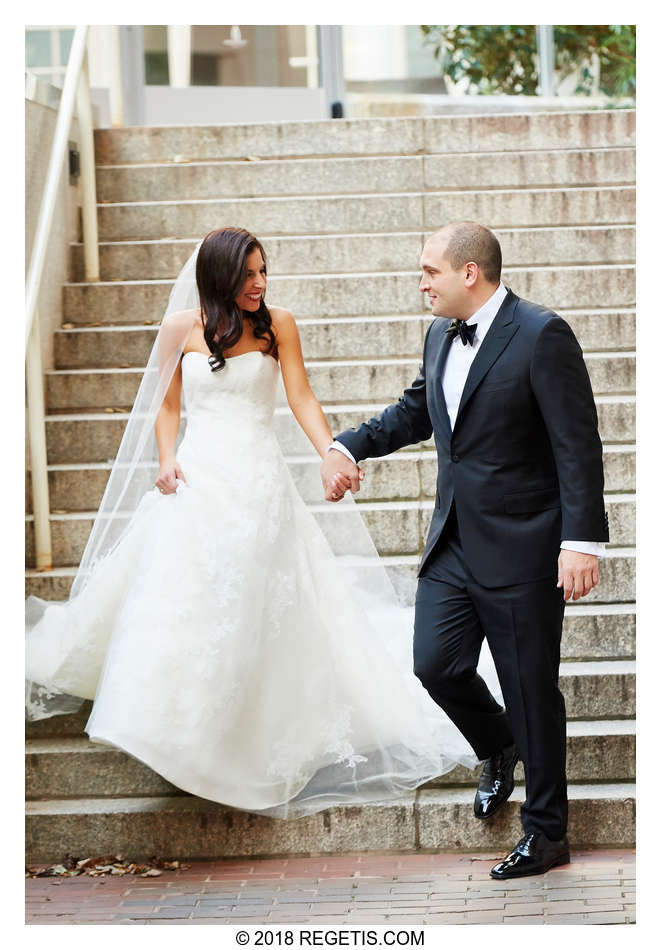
(522, 624)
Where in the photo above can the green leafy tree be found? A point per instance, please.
(503, 59)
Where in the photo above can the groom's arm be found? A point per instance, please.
(406, 422)
(561, 384)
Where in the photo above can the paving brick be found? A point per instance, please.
(405, 920)
(613, 918)
(524, 909)
(586, 893)
(332, 920)
(444, 918)
(485, 917)
(167, 912)
(576, 906)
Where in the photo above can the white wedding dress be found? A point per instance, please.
(224, 643)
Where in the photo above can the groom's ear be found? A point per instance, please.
(471, 273)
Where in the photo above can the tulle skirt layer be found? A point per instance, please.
(229, 648)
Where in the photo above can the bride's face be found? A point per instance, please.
(250, 295)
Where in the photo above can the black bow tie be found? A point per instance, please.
(466, 332)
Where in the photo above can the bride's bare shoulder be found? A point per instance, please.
(282, 320)
(183, 318)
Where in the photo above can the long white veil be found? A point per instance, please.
(133, 473)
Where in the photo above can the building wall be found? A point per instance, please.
(40, 123)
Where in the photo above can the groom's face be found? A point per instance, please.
(444, 286)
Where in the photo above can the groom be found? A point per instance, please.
(518, 522)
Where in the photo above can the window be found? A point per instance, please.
(47, 51)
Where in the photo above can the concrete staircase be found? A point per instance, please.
(343, 208)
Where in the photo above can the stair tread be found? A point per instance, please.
(426, 504)
(241, 163)
(402, 455)
(60, 745)
(239, 199)
(452, 795)
(165, 241)
(539, 268)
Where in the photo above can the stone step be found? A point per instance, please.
(534, 208)
(617, 577)
(597, 750)
(183, 826)
(387, 136)
(404, 476)
(395, 527)
(617, 589)
(533, 131)
(324, 296)
(75, 767)
(530, 169)
(402, 211)
(95, 436)
(339, 338)
(591, 630)
(603, 689)
(333, 176)
(610, 373)
(346, 253)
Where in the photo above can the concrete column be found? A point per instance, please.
(312, 57)
(546, 54)
(115, 77)
(179, 50)
(331, 68)
(133, 71)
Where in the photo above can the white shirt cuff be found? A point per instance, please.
(343, 449)
(585, 547)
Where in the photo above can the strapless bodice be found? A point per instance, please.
(243, 392)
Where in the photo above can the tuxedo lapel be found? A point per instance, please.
(438, 379)
(498, 336)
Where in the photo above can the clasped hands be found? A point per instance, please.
(339, 474)
(577, 573)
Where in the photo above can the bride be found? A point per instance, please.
(245, 649)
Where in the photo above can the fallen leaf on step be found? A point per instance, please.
(152, 872)
(68, 326)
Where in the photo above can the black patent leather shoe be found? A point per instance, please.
(534, 854)
(496, 782)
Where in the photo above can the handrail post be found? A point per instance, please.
(37, 446)
(87, 175)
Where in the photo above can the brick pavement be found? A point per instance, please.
(598, 887)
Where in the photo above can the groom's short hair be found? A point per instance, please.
(469, 241)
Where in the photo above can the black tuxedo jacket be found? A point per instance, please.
(524, 460)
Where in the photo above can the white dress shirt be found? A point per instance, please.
(457, 365)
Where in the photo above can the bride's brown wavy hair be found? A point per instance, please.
(220, 272)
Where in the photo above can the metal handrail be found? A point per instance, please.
(75, 92)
